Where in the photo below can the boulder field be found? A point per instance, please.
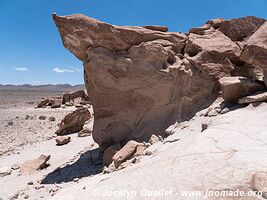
(141, 80)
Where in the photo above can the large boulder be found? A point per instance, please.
(213, 53)
(73, 122)
(255, 50)
(135, 78)
(240, 29)
(140, 80)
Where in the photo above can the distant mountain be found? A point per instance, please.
(48, 87)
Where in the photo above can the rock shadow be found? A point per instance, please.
(85, 166)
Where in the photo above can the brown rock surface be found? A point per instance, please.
(140, 80)
(61, 140)
(71, 96)
(74, 121)
(259, 182)
(109, 153)
(234, 88)
(139, 85)
(125, 152)
(30, 166)
(258, 97)
(240, 28)
(255, 49)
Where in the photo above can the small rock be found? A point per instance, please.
(5, 171)
(30, 183)
(125, 152)
(76, 179)
(61, 140)
(52, 119)
(84, 133)
(259, 182)
(204, 126)
(154, 139)
(42, 117)
(139, 150)
(15, 166)
(10, 123)
(225, 110)
(26, 196)
(38, 187)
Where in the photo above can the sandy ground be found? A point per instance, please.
(23, 136)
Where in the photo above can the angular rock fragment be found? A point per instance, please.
(125, 152)
(61, 140)
(84, 133)
(259, 182)
(257, 97)
(74, 121)
(241, 28)
(157, 28)
(31, 166)
(234, 88)
(71, 96)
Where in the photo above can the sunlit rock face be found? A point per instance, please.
(141, 79)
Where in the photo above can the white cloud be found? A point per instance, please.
(21, 69)
(66, 70)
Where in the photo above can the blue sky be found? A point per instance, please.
(31, 50)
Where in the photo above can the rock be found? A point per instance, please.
(259, 182)
(204, 126)
(125, 152)
(234, 88)
(71, 96)
(225, 110)
(74, 121)
(255, 49)
(10, 123)
(15, 167)
(69, 104)
(139, 150)
(30, 183)
(200, 30)
(26, 196)
(216, 23)
(85, 133)
(43, 103)
(240, 28)
(31, 166)
(61, 140)
(258, 97)
(76, 179)
(212, 53)
(109, 153)
(154, 139)
(139, 76)
(42, 117)
(212, 112)
(157, 28)
(54, 102)
(52, 119)
(5, 171)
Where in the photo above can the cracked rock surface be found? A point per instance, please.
(141, 79)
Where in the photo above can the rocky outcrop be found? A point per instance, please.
(257, 97)
(234, 88)
(140, 80)
(71, 96)
(54, 102)
(73, 122)
(255, 50)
